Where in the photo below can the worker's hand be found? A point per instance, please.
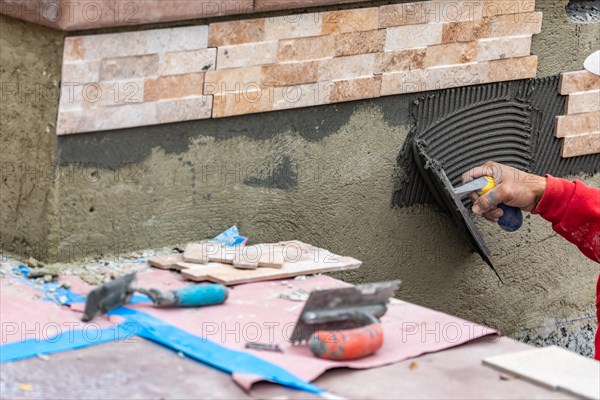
(513, 188)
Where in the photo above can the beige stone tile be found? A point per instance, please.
(228, 104)
(114, 93)
(236, 32)
(360, 19)
(112, 45)
(413, 36)
(306, 49)
(245, 55)
(293, 26)
(578, 81)
(450, 53)
(576, 124)
(516, 24)
(504, 47)
(448, 11)
(234, 80)
(74, 49)
(501, 7)
(581, 145)
(583, 102)
(456, 75)
(353, 43)
(402, 60)
(81, 72)
(467, 31)
(106, 118)
(291, 73)
(185, 62)
(177, 39)
(129, 67)
(403, 82)
(174, 86)
(272, 98)
(356, 89)
(402, 14)
(349, 67)
(186, 109)
(512, 69)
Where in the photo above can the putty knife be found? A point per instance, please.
(119, 291)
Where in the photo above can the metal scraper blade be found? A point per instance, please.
(442, 190)
(343, 308)
(108, 297)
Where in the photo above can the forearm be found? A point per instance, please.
(574, 211)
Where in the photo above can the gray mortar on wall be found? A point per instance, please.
(147, 187)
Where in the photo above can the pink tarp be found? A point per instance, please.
(255, 313)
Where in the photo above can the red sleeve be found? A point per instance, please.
(574, 211)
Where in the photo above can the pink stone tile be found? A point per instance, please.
(456, 75)
(236, 32)
(402, 14)
(356, 89)
(185, 109)
(306, 49)
(129, 67)
(583, 102)
(402, 60)
(450, 53)
(174, 86)
(360, 19)
(245, 102)
(576, 124)
(581, 145)
(403, 82)
(353, 43)
(73, 50)
(438, 11)
(501, 7)
(504, 47)
(293, 26)
(245, 55)
(185, 62)
(510, 69)
(349, 67)
(306, 95)
(578, 81)
(413, 36)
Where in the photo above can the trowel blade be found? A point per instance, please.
(108, 297)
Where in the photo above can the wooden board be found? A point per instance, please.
(299, 259)
(553, 367)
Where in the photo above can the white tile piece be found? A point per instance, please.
(504, 47)
(177, 39)
(412, 36)
(246, 55)
(553, 367)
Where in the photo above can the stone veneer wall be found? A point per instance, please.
(580, 126)
(149, 77)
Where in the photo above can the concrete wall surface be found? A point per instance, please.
(324, 175)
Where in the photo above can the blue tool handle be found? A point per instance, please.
(201, 295)
(512, 219)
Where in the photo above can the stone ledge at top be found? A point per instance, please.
(70, 15)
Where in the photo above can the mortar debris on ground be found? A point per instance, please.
(94, 271)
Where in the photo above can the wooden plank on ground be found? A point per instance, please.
(298, 259)
(553, 367)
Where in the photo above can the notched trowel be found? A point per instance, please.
(442, 190)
